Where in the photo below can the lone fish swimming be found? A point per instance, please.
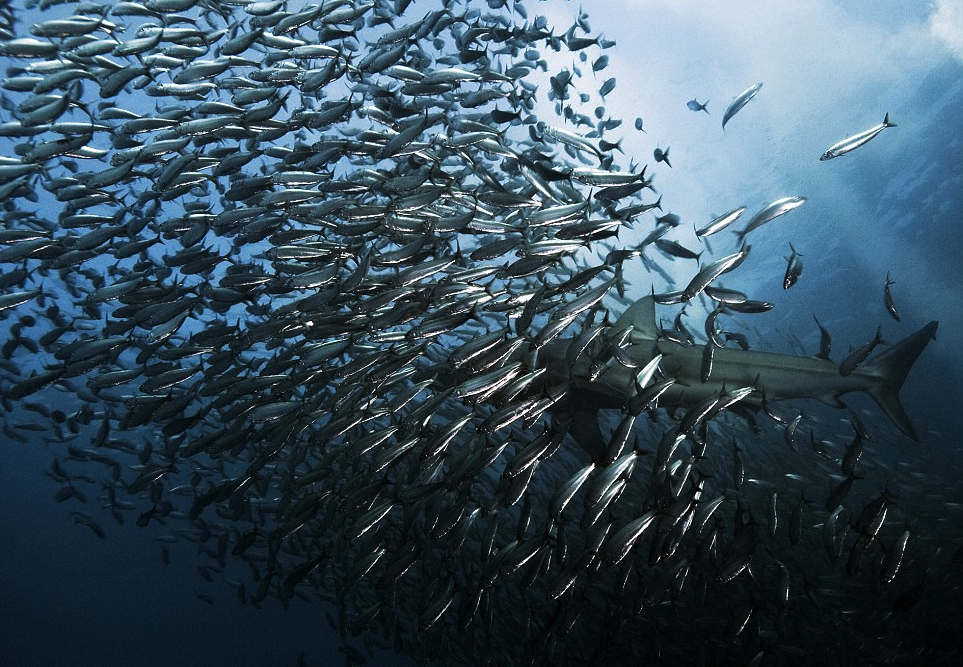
(855, 141)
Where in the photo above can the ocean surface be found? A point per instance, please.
(890, 209)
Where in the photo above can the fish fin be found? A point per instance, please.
(890, 368)
(584, 427)
(886, 121)
(831, 399)
(641, 317)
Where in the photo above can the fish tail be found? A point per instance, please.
(891, 368)
(886, 121)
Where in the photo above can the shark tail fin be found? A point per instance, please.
(891, 367)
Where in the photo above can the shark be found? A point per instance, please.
(771, 376)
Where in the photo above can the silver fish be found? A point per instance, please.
(852, 143)
(859, 355)
(712, 271)
(741, 100)
(695, 105)
(894, 558)
(888, 299)
(721, 222)
(793, 268)
(777, 208)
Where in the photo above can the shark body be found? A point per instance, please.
(773, 376)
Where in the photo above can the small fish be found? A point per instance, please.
(712, 332)
(713, 271)
(721, 222)
(772, 211)
(576, 141)
(742, 99)
(789, 435)
(874, 513)
(852, 455)
(773, 514)
(839, 492)
(567, 490)
(662, 156)
(85, 520)
(894, 557)
(695, 105)
(621, 543)
(888, 298)
(793, 268)
(724, 295)
(855, 141)
(739, 551)
(795, 521)
(738, 467)
(825, 341)
(751, 306)
(829, 532)
(859, 355)
(738, 338)
(676, 250)
(707, 354)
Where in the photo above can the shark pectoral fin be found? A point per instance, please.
(584, 427)
(641, 316)
(831, 399)
(891, 367)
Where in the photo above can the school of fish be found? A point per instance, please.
(320, 288)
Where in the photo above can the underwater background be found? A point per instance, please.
(892, 209)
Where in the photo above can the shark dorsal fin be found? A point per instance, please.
(641, 316)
